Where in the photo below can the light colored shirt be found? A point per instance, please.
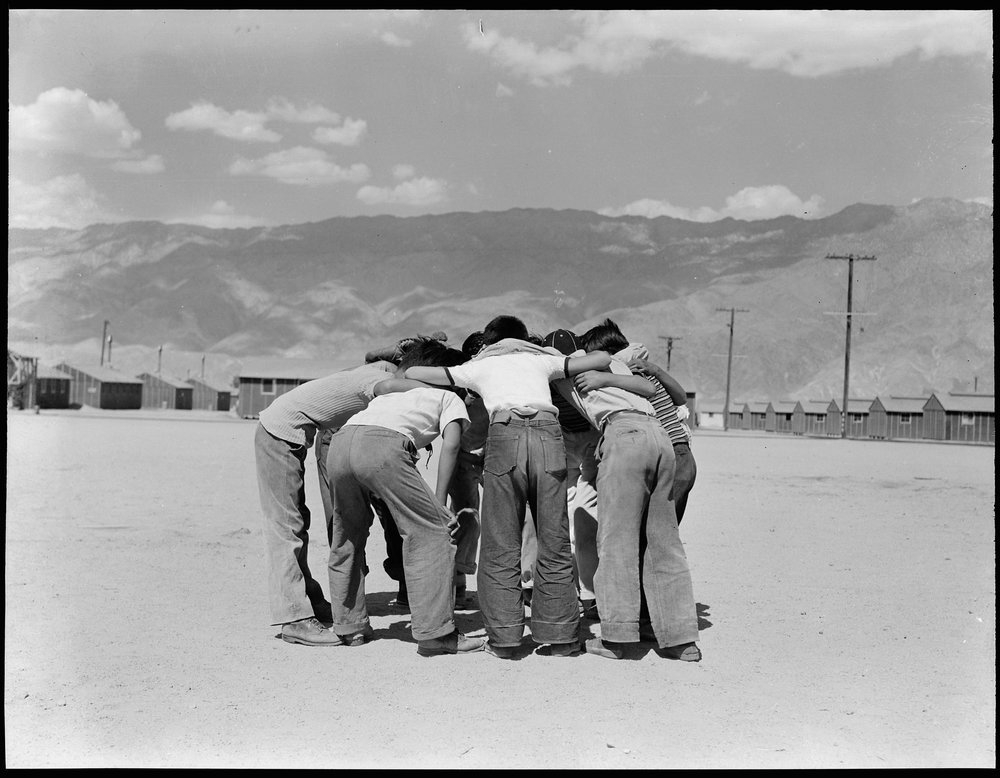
(323, 403)
(506, 381)
(597, 404)
(420, 414)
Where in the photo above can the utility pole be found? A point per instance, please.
(159, 359)
(202, 367)
(670, 346)
(104, 339)
(851, 259)
(729, 365)
(110, 338)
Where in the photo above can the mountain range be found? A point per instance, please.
(184, 298)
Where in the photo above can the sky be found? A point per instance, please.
(243, 118)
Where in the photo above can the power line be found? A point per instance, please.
(729, 366)
(851, 259)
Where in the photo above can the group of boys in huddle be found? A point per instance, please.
(564, 459)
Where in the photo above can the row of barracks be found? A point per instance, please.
(67, 385)
(969, 418)
(950, 416)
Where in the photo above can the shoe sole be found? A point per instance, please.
(313, 644)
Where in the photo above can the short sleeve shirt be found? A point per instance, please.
(598, 404)
(512, 380)
(420, 414)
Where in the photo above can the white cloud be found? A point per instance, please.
(222, 215)
(63, 201)
(504, 91)
(348, 134)
(237, 125)
(403, 171)
(416, 191)
(283, 110)
(804, 43)
(147, 166)
(301, 166)
(68, 121)
(390, 38)
(751, 203)
(252, 125)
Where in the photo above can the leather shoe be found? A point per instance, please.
(358, 638)
(455, 643)
(604, 648)
(502, 652)
(686, 652)
(309, 632)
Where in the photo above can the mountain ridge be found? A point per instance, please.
(343, 285)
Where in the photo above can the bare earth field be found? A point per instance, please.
(846, 591)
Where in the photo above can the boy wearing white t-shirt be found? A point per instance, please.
(525, 466)
(375, 453)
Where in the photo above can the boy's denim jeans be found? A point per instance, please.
(634, 479)
(525, 467)
(293, 593)
(365, 459)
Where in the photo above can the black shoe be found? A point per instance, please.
(402, 598)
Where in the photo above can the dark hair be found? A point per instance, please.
(504, 327)
(605, 336)
(472, 344)
(432, 353)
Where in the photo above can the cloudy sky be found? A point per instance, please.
(243, 118)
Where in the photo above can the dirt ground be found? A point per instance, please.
(846, 593)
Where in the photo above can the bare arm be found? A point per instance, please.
(594, 379)
(674, 389)
(428, 375)
(391, 385)
(451, 437)
(595, 360)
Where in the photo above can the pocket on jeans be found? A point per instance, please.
(554, 454)
(501, 455)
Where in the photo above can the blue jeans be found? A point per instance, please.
(525, 467)
(634, 480)
(363, 460)
(293, 593)
(684, 477)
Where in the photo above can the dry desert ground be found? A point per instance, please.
(846, 591)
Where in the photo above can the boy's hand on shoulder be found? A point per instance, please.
(639, 365)
(590, 379)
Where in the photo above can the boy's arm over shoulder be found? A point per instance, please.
(390, 385)
(438, 376)
(595, 360)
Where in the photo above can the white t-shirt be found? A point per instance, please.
(512, 380)
(420, 414)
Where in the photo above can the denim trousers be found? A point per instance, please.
(684, 477)
(525, 468)
(635, 476)
(293, 593)
(365, 460)
(464, 493)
